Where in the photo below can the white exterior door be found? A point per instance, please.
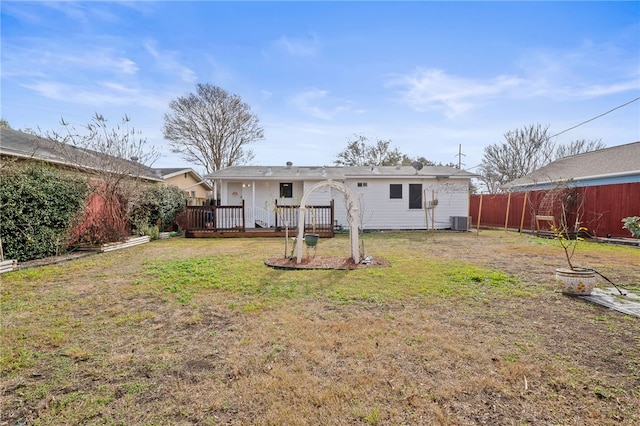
(234, 193)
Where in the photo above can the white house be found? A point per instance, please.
(389, 197)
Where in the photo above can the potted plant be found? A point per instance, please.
(574, 280)
(311, 240)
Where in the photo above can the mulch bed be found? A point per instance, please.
(319, 262)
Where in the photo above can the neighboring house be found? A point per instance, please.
(389, 197)
(27, 148)
(195, 188)
(22, 146)
(607, 181)
(608, 166)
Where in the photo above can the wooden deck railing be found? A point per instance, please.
(317, 218)
(214, 218)
(232, 219)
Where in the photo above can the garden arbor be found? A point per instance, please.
(352, 218)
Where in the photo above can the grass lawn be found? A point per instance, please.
(460, 329)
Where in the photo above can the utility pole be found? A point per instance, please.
(460, 154)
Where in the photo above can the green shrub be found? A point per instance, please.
(39, 204)
(158, 207)
(152, 231)
(632, 223)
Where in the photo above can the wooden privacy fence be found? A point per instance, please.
(603, 208)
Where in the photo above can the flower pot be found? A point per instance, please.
(311, 239)
(579, 282)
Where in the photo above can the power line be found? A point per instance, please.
(598, 116)
(578, 125)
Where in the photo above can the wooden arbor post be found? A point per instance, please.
(353, 215)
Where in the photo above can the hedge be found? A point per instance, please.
(38, 205)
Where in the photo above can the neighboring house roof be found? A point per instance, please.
(18, 144)
(295, 173)
(172, 172)
(617, 164)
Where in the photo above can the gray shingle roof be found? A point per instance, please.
(615, 161)
(335, 173)
(27, 146)
(171, 171)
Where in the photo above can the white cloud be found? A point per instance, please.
(45, 58)
(106, 93)
(588, 71)
(315, 102)
(298, 46)
(304, 101)
(119, 88)
(614, 88)
(544, 76)
(168, 61)
(433, 89)
(265, 94)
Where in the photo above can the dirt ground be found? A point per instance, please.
(122, 355)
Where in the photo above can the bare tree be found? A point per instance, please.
(523, 151)
(578, 147)
(211, 128)
(117, 158)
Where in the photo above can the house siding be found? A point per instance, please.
(372, 196)
(379, 211)
(196, 194)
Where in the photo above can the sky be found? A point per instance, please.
(437, 79)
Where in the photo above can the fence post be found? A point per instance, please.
(244, 219)
(506, 219)
(524, 207)
(479, 214)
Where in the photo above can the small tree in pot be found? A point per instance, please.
(575, 280)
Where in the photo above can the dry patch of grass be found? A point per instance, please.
(461, 329)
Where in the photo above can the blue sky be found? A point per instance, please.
(429, 76)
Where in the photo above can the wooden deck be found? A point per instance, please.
(253, 233)
(231, 222)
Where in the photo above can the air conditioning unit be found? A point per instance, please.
(459, 223)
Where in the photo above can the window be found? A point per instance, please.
(362, 184)
(286, 190)
(395, 190)
(415, 195)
